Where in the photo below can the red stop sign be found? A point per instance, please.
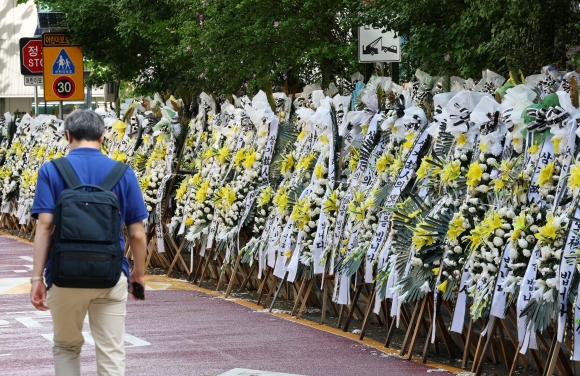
(31, 53)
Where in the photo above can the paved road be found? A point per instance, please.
(183, 332)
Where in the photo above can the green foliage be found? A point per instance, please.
(225, 46)
(476, 35)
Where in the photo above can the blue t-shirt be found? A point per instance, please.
(91, 167)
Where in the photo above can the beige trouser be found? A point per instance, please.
(106, 308)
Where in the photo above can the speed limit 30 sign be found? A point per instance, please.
(63, 69)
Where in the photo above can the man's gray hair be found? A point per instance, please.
(84, 125)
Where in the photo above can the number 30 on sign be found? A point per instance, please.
(64, 87)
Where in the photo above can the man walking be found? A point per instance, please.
(106, 307)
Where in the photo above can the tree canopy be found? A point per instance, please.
(223, 46)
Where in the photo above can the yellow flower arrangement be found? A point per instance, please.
(534, 148)
(180, 192)
(519, 224)
(574, 179)
(409, 140)
(423, 169)
(249, 158)
(202, 192)
(239, 157)
(305, 161)
(548, 232)
(455, 227)
(319, 171)
(421, 237)
(300, 213)
(264, 196)
(281, 199)
(287, 163)
(474, 174)
(332, 203)
(384, 162)
(451, 171)
(222, 154)
(546, 173)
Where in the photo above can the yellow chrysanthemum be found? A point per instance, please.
(395, 167)
(249, 158)
(264, 196)
(546, 173)
(574, 179)
(319, 171)
(287, 163)
(455, 227)
(189, 221)
(223, 154)
(300, 213)
(548, 232)
(556, 142)
(239, 157)
(332, 202)
(281, 199)
(534, 148)
(179, 192)
(305, 161)
(421, 237)
(384, 162)
(423, 169)
(202, 192)
(324, 139)
(461, 140)
(451, 171)
(519, 224)
(301, 135)
(409, 140)
(474, 174)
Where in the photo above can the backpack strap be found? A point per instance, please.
(66, 171)
(114, 176)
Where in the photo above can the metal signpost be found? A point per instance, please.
(63, 69)
(31, 65)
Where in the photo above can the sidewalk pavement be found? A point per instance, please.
(181, 329)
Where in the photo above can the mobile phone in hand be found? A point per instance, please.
(138, 291)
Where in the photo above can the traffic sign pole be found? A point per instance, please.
(36, 100)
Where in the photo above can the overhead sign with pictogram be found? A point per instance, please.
(376, 46)
(63, 69)
(31, 56)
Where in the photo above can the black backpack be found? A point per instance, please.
(85, 250)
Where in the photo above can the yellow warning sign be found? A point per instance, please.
(63, 73)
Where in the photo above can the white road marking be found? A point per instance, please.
(29, 322)
(27, 258)
(135, 342)
(132, 340)
(9, 283)
(20, 271)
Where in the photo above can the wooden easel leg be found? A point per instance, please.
(368, 313)
(299, 295)
(231, 284)
(466, 348)
(248, 276)
(205, 265)
(488, 341)
(340, 316)
(418, 318)
(352, 307)
(305, 298)
(264, 284)
(410, 327)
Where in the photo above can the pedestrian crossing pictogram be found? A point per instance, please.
(63, 64)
